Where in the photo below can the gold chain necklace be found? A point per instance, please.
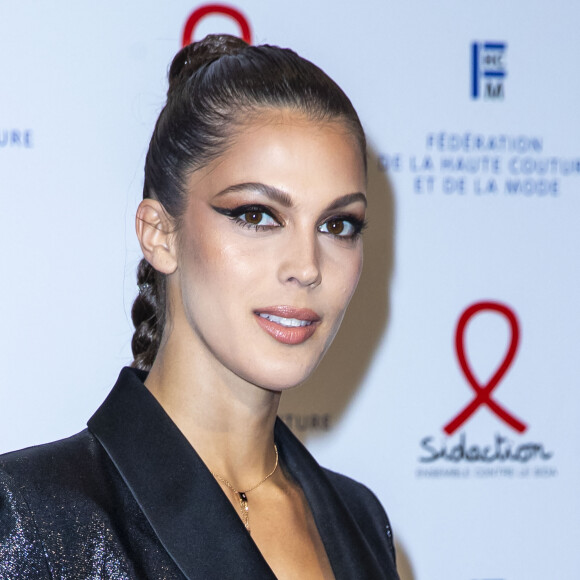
(241, 495)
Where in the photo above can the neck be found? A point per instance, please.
(228, 421)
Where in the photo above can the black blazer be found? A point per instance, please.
(130, 498)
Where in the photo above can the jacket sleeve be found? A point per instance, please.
(21, 550)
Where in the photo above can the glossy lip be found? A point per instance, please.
(286, 334)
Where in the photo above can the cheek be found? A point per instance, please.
(341, 284)
(345, 271)
(215, 262)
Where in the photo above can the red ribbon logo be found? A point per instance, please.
(483, 392)
(208, 9)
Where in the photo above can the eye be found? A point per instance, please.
(337, 227)
(342, 227)
(257, 218)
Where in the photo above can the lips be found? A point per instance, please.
(287, 324)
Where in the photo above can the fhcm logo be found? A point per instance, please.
(488, 71)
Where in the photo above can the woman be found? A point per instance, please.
(254, 202)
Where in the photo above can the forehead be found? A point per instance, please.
(287, 150)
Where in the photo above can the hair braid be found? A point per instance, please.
(148, 315)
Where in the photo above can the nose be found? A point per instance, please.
(300, 261)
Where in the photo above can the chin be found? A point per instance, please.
(281, 377)
(293, 370)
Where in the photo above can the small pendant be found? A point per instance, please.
(244, 509)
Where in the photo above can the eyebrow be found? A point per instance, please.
(347, 200)
(269, 191)
(285, 199)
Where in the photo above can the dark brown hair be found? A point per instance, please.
(215, 86)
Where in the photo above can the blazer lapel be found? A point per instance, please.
(184, 504)
(349, 554)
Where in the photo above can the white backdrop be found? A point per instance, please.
(472, 117)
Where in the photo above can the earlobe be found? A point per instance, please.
(155, 234)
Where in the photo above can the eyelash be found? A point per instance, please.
(235, 214)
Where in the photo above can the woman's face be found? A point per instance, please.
(269, 249)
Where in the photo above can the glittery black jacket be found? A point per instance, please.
(130, 498)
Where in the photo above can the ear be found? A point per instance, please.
(155, 232)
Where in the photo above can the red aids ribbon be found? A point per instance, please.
(483, 392)
(208, 9)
